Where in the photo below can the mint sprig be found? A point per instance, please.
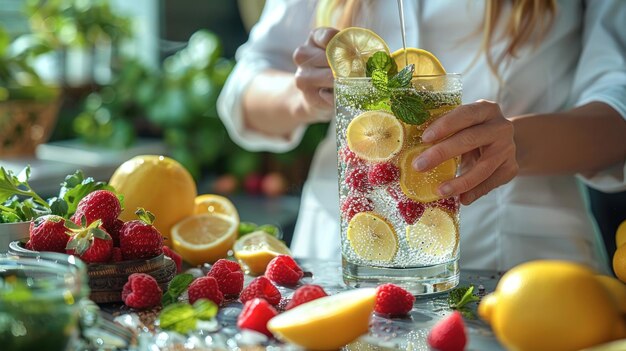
(408, 107)
(380, 61)
(460, 297)
(176, 287)
(183, 318)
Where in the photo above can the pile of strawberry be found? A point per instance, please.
(95, 234)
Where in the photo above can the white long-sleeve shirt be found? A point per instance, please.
(582, 59)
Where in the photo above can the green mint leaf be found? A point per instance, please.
(176, 287)
(205, 309)
(247, 228)
(381, 61)
(269, 229)
(459, 297)
(467, 298)
(380, 81)
(409, 108)
(179, 317)
(379, 105)
(403, 78)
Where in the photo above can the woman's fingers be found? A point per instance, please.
(461, 118)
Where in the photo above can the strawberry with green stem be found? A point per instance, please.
(139, 239)
(48, 233)
(91, 243)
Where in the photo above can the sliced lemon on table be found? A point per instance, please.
(434, 234)
(203, 238)
(422, 186)
(327, 323)
(425, 62)
(348, 51)
(375, 136)
(255, 250)
(212, 203)
(371, 237)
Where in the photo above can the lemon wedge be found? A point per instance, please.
(371, 237)
(327, 323)
(422, 186)
(255, 250)
(434, 234)
(348, 51)
(212, 203)
(375, 136)
(425, 62)
(205, 237)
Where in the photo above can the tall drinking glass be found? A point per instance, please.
(394, 225)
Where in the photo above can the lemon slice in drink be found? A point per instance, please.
(255, 250)
(348, 51)
(211, 203)
(422, 186)
(375, 136)
(327, 323)
(205, 237)
(425, 62)
(434, 234)
(371, 237)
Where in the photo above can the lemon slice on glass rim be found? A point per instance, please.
(426, 64)
(348, 51)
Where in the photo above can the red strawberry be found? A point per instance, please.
(116, 255)
(99, 204)
(305, 294)
(383, 173)
(263, 288)
(349, 157)
(175, 257)
(283, 270)
(139, 239)
(114, 231)
(48, 233)
(448, 334)
(141, 291)
(357, 179)
(451, 204)
(410, 210)
(393, 300)
(355, 204)
(255, 315)
(205, 288)
(229, 276)
(91, 244)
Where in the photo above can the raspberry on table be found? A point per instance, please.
(205, 288)
(263, 288)
(448, 334)
(383, 173)
(355, 204)
(410, 210)
(141, 291)
(305, 294)
(283, 270)
(229, 276)
(393, 300)
(255, 315)
(356, 179)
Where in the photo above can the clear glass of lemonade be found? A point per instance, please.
(394, 225)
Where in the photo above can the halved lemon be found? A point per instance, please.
(255, 250)
(422, 186)
(212, 203)
(434, 234)
(348, 51)
(371, 237)
(205, 237)
(375, 136)
(425, 62)
(327, 323)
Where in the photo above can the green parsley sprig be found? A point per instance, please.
(460, 297)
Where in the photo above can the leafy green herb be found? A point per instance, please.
(246, 228)
(182, 317)
(76, 186)
(403, 78)
(409, 108)
(459, 297)
(11, 185)
(14, 289)
(381, 81)
(177, 286)
(381, 61)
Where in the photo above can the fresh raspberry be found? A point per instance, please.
(114, 231)
(383, 173)
(305, 294)
(139, 239)
(283, 270)
(205, 288)
(263, 288)
(99, 204)
(451, 204)
(410, 210)
(396, 193)
(349, 157)
(357, 179)
(229, 276)
(48, 233)
(355, 204)
(255, 315)
(175, 257)
(116, 254)
(393, 300)
(141, 291)
(448, 334)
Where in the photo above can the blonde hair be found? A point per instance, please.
(528, 22)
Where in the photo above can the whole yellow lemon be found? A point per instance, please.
(159, 184)
(551, 306)
(619, 263)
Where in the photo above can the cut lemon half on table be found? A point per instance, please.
(422, 186)
(255, 250)
(211, 204)
(434, 234)
(348, 51)
(375, 136)
(203, 238)
(327, 323)
(425, 62)
(371, 237)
